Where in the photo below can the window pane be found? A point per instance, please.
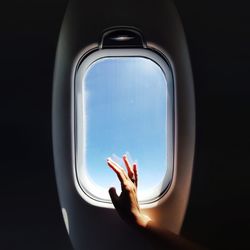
(125, 111)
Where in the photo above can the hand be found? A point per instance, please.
(127, 203)
(128, 208)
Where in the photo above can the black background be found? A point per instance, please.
(218, 35)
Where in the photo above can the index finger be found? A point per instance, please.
(118, 170)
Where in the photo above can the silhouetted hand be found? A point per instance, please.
(128, 208)
(127, 204)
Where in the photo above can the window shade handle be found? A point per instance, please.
(122, 37)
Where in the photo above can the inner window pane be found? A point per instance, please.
(125, 111)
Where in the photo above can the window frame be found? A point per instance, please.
(82, 65)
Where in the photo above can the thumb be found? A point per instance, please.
(114, 197)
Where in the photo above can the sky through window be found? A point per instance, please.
(125, 112)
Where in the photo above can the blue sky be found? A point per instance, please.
(126, 112)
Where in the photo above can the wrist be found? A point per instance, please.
(142, 220)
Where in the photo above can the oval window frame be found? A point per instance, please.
(83, 63)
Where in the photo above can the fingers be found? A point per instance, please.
(129, 169)
(114, 197)
(121, 174)
(135, 170)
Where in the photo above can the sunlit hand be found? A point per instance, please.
(128, 208)
(127, 203)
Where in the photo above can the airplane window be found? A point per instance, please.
(124, 105)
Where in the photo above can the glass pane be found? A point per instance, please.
(125, 111)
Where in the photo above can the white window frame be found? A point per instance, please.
(82, 182)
